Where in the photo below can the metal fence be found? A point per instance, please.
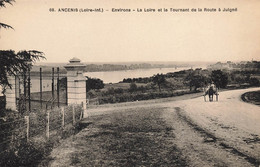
(40, 90)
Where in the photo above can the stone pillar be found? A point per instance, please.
(10, 94)
(76, 83)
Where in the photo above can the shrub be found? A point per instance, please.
(133, 87)
(111, 91)
(219, 78)
(94, 83)
(2, 103)
(119, 90)
(254, 82)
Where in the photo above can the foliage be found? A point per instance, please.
(111, 91)
(5, 26)
(254, 81)
(134, 96)
(19, 152)
(3, 4)
(138, 80)
(159, 79)
(196, 79)
(13, 63)
(219, 78)
(94, 83)
(119, 90)
(142, 89)
(133, 87)
(2, 103)
(251, 97)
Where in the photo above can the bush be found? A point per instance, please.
(142, 89)
(133, 87)
(254, 82)
(110, 91)
(2, 103)
(219, 78)
(119, 90)
(127, 97)
(94, 83)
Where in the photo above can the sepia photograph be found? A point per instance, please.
(172, 83)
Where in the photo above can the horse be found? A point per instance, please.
(211, 91)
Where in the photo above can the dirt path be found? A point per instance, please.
(167, 133)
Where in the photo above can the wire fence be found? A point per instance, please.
(43, 123)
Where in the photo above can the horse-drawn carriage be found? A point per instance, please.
(211, 90)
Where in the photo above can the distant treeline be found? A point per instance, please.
(111, 67)
(241, 65)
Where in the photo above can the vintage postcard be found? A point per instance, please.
(129, 83)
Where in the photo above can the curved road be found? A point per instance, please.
(230, 130)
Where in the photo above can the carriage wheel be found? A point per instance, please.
(217, 95)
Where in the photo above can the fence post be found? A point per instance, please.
(58, 86)
(48, 125)
(52, 83)
(41, 86)
(73, 114)
(27, 127)
(82, 111)
(63, 117)
(24, 89)
(85, 106)
(87, 102)
(29, 89)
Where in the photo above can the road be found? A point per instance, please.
(167, 132)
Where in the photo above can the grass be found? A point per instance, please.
(133, 137)
(252, 97)
(19, 151)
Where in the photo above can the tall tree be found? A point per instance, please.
(159, 79)
(12, 63)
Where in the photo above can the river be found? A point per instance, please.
(108, 76)
(117, 76)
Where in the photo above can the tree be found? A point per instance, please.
(133, 87)
(94, 83)
(14, 63)
(254, 81)
(159, 79)
(195, 80)
(2, 4)
(219, 78)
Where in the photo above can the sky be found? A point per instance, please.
(135, 36)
